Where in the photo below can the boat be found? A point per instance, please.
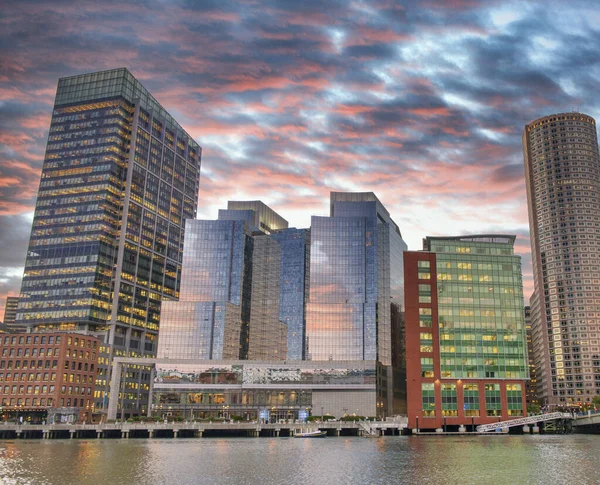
(311, 434)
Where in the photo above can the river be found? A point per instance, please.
(490, 460)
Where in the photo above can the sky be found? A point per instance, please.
(422, 102)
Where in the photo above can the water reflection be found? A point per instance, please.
(493, 460)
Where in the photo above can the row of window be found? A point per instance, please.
(471, 403)
(42, 401)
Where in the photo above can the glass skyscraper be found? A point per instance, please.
(356, 274)
(239, 338)
(120, 176)
(230, 289)
(356, 287)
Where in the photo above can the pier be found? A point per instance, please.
(195, 430)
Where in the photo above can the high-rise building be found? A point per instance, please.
(120, 176)
(10, 314)
(562, 172)
(247, 275)
(212, 315)
(466, 348)
(356, 277)
(532, 382)
(230, 289)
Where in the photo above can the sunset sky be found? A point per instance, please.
(421, 102)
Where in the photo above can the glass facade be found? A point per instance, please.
(356, 274)
(264, 219)
(267, 335)
(119, 177)
(294, 277)
(480, 308)
(207, 321)
(229, 307)
(264, 391)
(246, 279)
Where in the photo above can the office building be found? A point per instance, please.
(10, 314)
(315, 311)
(120, 176)
(466, 347)
(48, 377)
(356, 279)
(562, 173)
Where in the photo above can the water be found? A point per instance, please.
(262, 461)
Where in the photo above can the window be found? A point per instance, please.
(493, 403)
(423, 264)
(471, 399)
(428, 399)
(449, 400)
(514, 398)
(426, 367)
(424, 293)
(424, 276)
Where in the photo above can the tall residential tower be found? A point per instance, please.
(562, 170)
(120, 176)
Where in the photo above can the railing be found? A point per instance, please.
(523, 421)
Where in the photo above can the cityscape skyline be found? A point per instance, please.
(402, 100)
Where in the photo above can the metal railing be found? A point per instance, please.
(538, 418)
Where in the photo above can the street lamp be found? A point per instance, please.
(321, 413)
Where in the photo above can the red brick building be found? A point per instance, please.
(47, 376)
(466, 356)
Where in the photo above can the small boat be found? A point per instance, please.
(311, 434)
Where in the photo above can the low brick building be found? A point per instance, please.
(47, 376)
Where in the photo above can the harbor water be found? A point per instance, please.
(547, 459)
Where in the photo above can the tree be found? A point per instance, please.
(596, 402)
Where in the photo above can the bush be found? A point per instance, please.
(237, 418)
(352, 418)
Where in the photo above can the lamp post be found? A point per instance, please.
(321, 413)
(417, 424)
(472, 424)
(444, 424)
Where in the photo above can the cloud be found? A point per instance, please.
(421, 102)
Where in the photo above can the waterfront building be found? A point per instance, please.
(48, 376)
(10, 314)
(120, 176)
(562, 173)
(531, 391)
(466, 347)
(356, 285)
(299, 348)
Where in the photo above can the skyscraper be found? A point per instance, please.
(120, 176)
(562, 171)
(466, 349)
(230, 289)
(356, 285)
(248, 276)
